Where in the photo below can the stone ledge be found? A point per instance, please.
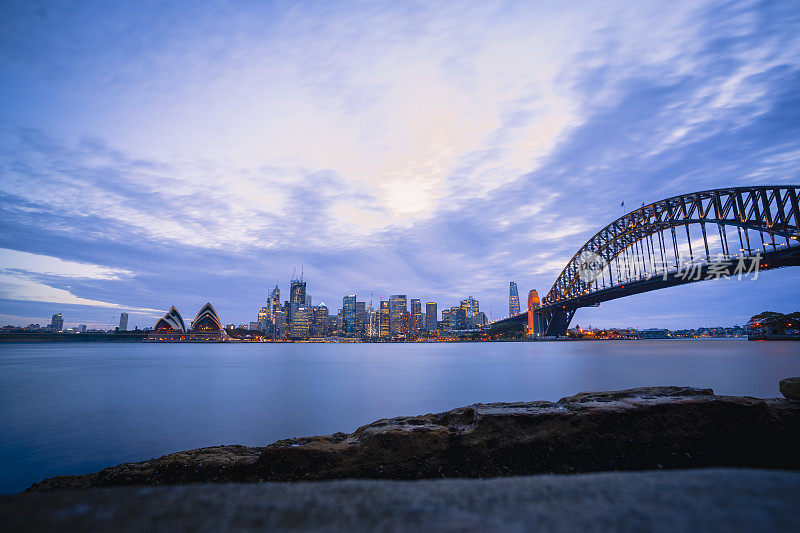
(634, 429)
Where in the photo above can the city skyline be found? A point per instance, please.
(144, 166)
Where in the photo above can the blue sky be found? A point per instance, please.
(155, 155)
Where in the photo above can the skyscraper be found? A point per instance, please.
(263, 319)
(274, 302)
(361, 317)
(301, 323)
(297, 298)
(57, 322)
(513, 299)
(397, 309)
(431, 316)
(123, 321)
(349, 317)
(470, 306)
(384, 319)
(416, 315)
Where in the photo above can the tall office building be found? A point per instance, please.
(123, 321)
(384, 315)
(274, 302)
(513, 299)
(57, 322)
(349, 318)
(397, 309)
(416, 315)
(361, 317)
(301, 323)
(431, 316)
(297, 298)
(470, 306)
(263, 319)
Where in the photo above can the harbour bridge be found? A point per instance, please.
(737, 231)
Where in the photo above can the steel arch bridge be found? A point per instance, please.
(683, 239)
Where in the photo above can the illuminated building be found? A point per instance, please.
(397, 308)
(297, 298)
(513, 299)
(361, 318)
(431, 316)
(57, 322)
(301, 323)
(470, 306)
(384, 315)
(171, 322)
(349, 318)
(207, 320)
(416, 315)
(263, 319)
(123, 322)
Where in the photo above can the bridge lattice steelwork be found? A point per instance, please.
(718, 232)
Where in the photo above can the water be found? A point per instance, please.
(77, 408)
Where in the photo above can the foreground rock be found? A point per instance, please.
(669, 501)
(645, 428)
(790, 388)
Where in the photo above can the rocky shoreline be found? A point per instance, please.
(634, 429)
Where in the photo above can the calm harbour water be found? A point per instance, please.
(77, 408)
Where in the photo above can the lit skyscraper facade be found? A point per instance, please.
(398, 309)
(384, 317)
(361, 318)
(57, 322)
(349, 318)
(301, 323)
(431, 316)
(123, 322)
(513, 299)
(416, 315)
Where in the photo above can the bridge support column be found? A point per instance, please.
(559, 322)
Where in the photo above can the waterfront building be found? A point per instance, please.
(470, 306)
(373, 322)
(263, 322)
(82, 328)
(297, 296)
(349, 319)
(172, 322)
(361, 318)
(207, 320)
(320, 321)
(301, 323)
(254, 326)
(513, 299)
(123, 322)
(431, 316)
(206, 327)
(397, 307)
(274, 302)
(57, 322)
(416, 315)
(384, 317)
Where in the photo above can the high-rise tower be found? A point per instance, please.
(513, 299)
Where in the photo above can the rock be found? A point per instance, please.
(790, 388)
(635, 429)
(658, 501)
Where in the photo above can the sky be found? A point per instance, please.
(171, 154)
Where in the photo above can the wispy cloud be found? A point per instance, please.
(411, 147)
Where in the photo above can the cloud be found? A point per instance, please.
(407, 147)
(20, 288)
(53, 266)
(18, 270)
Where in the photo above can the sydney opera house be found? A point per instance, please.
(206, 327)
